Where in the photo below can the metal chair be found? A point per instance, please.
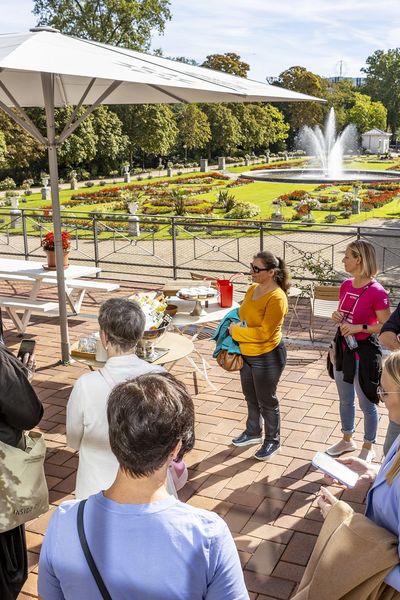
(324, 301)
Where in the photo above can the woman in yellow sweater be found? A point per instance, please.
(260, 339)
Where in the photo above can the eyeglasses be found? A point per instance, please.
(256, 269)
(381, 393)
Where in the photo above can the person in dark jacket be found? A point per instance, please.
(389, 338)
(20, 409)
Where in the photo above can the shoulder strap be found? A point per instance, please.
(88, 555)
(109, 379)
(359, 296)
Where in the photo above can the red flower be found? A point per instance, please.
(48, 241)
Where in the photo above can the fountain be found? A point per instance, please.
(328, 150)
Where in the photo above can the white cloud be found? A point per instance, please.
(274, 35)
(271, 35)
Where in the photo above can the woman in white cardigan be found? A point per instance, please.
(122, 324)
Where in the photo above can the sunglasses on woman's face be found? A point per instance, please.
(256, 269)
(381, 393)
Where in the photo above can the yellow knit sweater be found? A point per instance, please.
(264, 317)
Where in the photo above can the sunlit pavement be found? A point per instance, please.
(269, 506)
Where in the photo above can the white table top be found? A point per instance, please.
(178, 346)
(213, 312)
(35, 269)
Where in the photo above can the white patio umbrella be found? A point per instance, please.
(45, 68)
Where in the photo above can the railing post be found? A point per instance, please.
(173, 232)
(96, 243)
(25, 235)
(261, 236)
(358, 233)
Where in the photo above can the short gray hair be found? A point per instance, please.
(123, 322)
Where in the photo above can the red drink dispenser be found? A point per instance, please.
(225, 292)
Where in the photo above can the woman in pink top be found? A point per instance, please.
(363, 308)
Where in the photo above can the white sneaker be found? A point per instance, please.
(341, 447)
(367, 454)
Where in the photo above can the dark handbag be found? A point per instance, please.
(88, 555)
(330, 358)
(229, 361)
(329, 361)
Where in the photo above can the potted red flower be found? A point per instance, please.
(48, 247)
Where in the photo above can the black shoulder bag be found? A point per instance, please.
(88, 555)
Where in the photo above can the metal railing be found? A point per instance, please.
(150, 249)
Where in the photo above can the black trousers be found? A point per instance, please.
(259, 377)
(13, 563)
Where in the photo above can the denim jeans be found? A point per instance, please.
(393, 431)
(347, 392)
(259, 377)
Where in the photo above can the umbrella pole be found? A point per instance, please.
(48, 93)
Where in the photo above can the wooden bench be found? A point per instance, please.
(28, 306)
(83, 285)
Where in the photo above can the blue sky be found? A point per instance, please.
(271, 35)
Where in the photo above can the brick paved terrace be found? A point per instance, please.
(269, 506)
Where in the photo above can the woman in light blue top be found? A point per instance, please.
(146, 544)
(383, 501)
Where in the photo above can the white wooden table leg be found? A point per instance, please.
(32, 296)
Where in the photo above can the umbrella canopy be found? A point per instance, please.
(45, 68)
(142, 78)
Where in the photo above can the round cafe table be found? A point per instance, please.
(213, 313)
(178, 347)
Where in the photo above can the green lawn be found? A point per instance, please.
(259, 193)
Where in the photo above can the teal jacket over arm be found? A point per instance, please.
(222, 338)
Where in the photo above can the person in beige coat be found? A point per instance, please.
(356, 557)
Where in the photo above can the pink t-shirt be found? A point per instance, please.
(360, 307)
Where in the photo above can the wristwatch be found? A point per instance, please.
(365, 327)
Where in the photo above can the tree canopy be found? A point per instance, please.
(366, 114)
(227, 63)
(194, 128)
(303, 113)
(126, 23)
(383, 82)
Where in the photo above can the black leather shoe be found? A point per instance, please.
(246, 440)
(267, 450)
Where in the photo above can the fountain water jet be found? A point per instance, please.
(328, 150)
(327, 147)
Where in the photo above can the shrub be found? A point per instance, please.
(243, 210)
(330, 218)
(8, 184)
(226, 200)
(27, 184)
(89, 184)
(83, 174)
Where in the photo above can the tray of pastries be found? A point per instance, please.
(196, 293)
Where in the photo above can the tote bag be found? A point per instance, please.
(23, 488)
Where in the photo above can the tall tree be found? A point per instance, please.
(366, 114)
(111, 142)
(81, 146)
(126, 23)
(225, 129)
(194, 128)
(299, 114)
(383, 82)
(227, 63)
(21, 149)
(260, 124)
(341, 97)
(153, 129)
